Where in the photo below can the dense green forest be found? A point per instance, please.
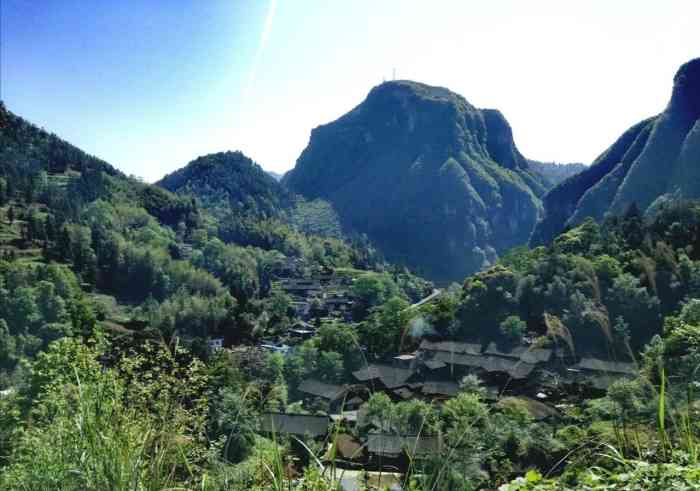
(250, 205)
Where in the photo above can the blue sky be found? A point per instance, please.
(150, 85)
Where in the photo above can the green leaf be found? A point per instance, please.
(533, 476)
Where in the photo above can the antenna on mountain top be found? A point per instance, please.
(393, 74)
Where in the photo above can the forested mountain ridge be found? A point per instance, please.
(656, 159)
(247, 206)
(231, 180)
(36, 161)
(413, 163)
(553, 173)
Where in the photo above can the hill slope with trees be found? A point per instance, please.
(655, 160)
(232, 181)
(244, 205)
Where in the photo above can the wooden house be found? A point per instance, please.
(302, 425)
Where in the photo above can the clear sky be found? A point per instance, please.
(150, 85)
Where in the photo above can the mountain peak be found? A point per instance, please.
(413, 162)
(686, 88)
(418, 88)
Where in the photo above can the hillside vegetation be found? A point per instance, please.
(246, 206)
(231, 181)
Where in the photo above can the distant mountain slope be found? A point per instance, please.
(435, 182)
(24, 146)
(553, 173)
(276, 176)
(655, 159)
(230, 180)
(34, 159)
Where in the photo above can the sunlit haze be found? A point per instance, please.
(150, 85)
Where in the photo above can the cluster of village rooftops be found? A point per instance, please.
(326, 297)
(538, 377)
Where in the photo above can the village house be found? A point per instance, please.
(302, 330)
(348, 449)
(386, 449)
(274, 347)
(300, 287)
(408, 361)
(384, 377)
(600, 374)
(537, 410)
(515, 367)
(301, 425)
(302, 308)
(317, 388)
(338, 397)
(215, 344)
(440, 389)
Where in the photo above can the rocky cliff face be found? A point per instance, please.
(656, 159)
(435, 182)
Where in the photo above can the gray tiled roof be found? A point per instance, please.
(538, 410)
(458, 359)
(391, 377)
(493, 349)
(434, 364)
(521, 370)
(536, 355)
(451, 347)
(524, 353)
(598, 365)
(440, 388)
(365, 374)
(394, 445)
(295, 424)
(322, 389)
(515, 368)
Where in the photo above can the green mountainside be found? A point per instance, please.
(415, 163)
(655, 160)
(244, 205)
(232, 181)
